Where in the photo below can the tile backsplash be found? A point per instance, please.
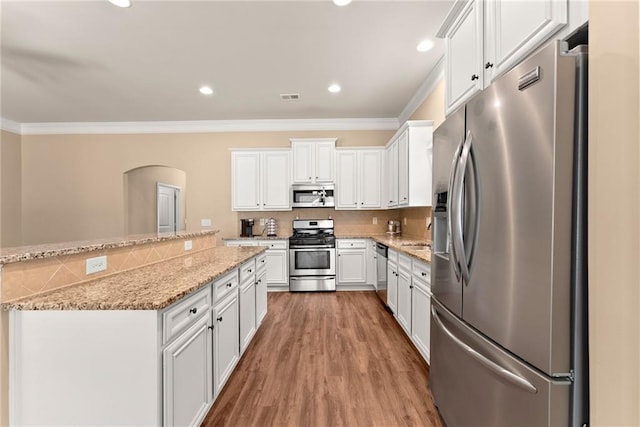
(346, 222)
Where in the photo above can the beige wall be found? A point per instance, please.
(433, 106)
(10, 189)
(141, 193)
(614, 229)
(72, 186)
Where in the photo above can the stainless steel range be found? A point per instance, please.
(312, 256)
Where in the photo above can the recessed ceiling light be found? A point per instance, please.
(121, 3)
(206, 90)
(425, 45)
(341, 2)
(334, 88)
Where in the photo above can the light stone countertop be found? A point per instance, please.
(47, 250)
(152, 287)
(256, 238)
(398, 243)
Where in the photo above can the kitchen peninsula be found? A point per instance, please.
(149, 345)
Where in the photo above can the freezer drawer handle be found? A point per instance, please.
(489, 364)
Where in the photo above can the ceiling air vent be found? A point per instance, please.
(289, 96)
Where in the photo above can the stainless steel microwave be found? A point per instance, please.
(312, 196)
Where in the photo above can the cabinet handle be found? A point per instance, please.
(249, 270)
(404, 198)
(219, 319)
(488, 65)
(424, 274)
(257, 204)
(410, 286)
(194, 310)
(474, 77)
(229, 285)
(309, 177)
(390, 201)
(255, 283)
(210, 327)
(316, 177)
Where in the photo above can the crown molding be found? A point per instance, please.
(208, 126)
(10, 126)
(424, 90)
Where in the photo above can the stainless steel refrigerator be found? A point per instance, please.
(508, 315)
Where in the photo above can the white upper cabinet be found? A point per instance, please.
(408, 163)
(463, 56)
(485, 38)
(261, 180)
(359, 179)
(313, 160)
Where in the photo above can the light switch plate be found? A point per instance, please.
(405, 220)
(205, 222)
(188, 245)
(375, 220)
(96, 265)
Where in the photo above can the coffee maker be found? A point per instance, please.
(246, 227)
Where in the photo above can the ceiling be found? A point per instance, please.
(89, 61)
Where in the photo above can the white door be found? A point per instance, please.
(227, 337)
(245, 180)
(247, 313)
(346, 180)
(421, 317)
(261, 296)
(324, 159)
(370, 178)
(302, 161)
(392, 174)
(352, 266)
(168, 204)
(403, 168)
(277, 267)
(392, 287)
(187, 366)
(404, 301)
(276, 180)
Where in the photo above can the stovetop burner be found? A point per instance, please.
(314, 232)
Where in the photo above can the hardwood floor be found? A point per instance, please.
(327, 359)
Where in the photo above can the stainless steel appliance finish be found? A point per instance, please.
(381, 270)
(312, 256)
(508, 244)
(246, 227)
(312, 195)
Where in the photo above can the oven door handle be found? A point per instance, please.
(294, 278)
(311, 248)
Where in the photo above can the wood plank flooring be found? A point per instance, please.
(327, 359)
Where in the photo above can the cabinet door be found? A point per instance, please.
(370, 179)
(226, 344)
(404, 300)
(352, 266)
(277, 267)
(372, 264)
(261, 297)
(187, 376)
(392, 174)
(421, 318)
(403, 168)
(514, 29)
(245, 180)
(303, 157)
(347, 180)
(463, 53)
(247, 312)
(324, 161)
(392, 287)
(276, 180)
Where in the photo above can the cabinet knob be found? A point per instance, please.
(229, 285)
(255, 283)
(210, 327)
(316, 177)
(488, 65)
(424, 274)
(194, 310)
(410, 286)
(404, 198)
(309, 177)
(249, 270)
(257, 204)
(219, 319)
(390, 201)
(474, 77)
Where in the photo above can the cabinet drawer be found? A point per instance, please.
(274, 244)
(240, 243)
(351, 244)
(247, 270)
(184, 313)
(225, 285)
(392, 256)
(422, 271)
(404, 262)
(261, 262)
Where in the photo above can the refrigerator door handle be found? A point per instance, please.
(450, 209)
(489, 364)
(458, 194)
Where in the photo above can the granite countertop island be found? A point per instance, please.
(152, 287)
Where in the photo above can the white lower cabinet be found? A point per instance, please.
(188, 375)
(403, 310)
(421, 317)
(261, 296)
(372, 265)
(225, 342)
(392, 281)
(351, 266)
(247, 312)
(277, 260)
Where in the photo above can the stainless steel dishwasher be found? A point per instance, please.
(381, 267)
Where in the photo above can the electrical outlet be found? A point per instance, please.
(375, 220)
(188, 245)
(405, 220)
(97, 264)
(205, 222)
